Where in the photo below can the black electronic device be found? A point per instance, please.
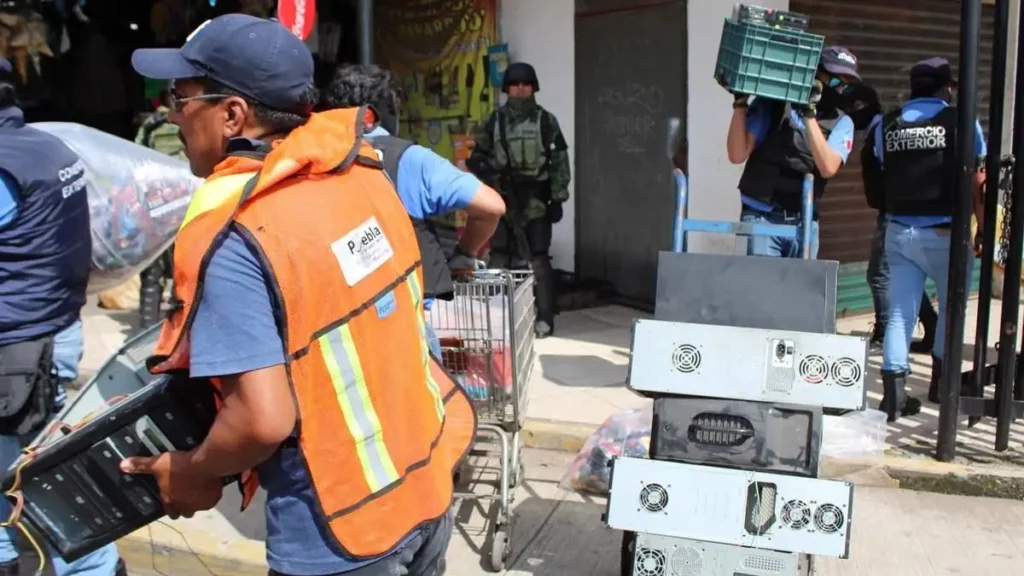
(74, 492)
(770, 17)
(759, 436)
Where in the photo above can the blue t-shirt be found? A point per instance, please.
(8, 200)
(430, 185)
(913, 111)
(759, 122)
(235, 331)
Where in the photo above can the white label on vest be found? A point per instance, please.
(918, 138)
(362, 251)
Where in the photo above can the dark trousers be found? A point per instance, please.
(424, 555)
(878, 281)
(506, 252)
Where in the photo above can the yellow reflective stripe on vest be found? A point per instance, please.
(417, 300)
(214, 193)
(342, 359)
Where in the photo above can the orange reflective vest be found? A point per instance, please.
(382, 426)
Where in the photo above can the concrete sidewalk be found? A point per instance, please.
(558, 533)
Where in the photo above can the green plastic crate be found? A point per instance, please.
(770, 62)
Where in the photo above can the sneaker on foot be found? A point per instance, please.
(542, 329)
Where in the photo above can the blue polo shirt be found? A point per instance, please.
(759, 122)
(8, 200)
(916, 110)
(235, 331)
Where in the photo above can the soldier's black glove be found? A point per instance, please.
(810, 110)
(555, 212)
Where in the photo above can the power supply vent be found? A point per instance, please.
(764, 564)
(649, 562)
(686, 358)
(724, 430)
(813, 369)
(760, 507)
(796, 514)
(846, 372)
(654, 497)
(828, 518)
(687, 561)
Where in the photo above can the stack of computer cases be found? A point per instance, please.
(731, 487)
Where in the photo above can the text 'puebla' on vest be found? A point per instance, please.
(916, 138)
(362, 251)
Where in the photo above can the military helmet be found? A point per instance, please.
(520, 72)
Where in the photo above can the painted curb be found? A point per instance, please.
(162, 550)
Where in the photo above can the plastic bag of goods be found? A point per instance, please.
(483, 369)
(627, 434)
(854, 436)
(137, 200)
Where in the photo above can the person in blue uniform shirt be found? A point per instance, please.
(864, 108)
(428, 184)
(45, 252)
(916, 147)
(781, 143)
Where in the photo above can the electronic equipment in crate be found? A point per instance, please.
(778, 438)
(675, 358)
(666, 556)
(737, 507)
(770, 17)
(74, 492)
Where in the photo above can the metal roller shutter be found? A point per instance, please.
(887, 37)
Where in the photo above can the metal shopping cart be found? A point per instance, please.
(486, 336)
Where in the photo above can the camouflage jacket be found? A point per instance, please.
(532, 138)
(160, 135)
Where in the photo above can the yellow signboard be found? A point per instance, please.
(438, 48)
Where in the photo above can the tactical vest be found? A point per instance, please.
(871, 173)
(436, 240)
(919, 164)
(382, 426)
(160, 134)
(775, 171)
(45, 252)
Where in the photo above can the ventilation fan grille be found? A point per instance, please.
(846, 372)
(764, 564)
(829, 518)
(760, 507)
(796, 514)
(649, 562)
(720, 430)
(654, 497)
(813, 369)
(687, 561)
(686, 358)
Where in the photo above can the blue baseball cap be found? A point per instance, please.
(258, 58)
(839, 60)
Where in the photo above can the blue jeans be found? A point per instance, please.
(777, 246)
(67, 352)
(914, 254)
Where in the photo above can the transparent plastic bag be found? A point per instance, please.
(627, 433)
(137, 200)
(854, 436)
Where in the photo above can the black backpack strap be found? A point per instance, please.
(502, 126)
(391, 149)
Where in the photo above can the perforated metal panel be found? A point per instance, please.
(675, 358)
(682, 557)
(736, 507)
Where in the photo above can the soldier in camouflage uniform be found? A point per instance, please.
(161, 135)
(520, 152)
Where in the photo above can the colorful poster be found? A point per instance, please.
(439, 50)
(297, 16)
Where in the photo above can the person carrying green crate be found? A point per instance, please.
(782, 142)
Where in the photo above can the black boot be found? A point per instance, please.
(895, 402)
(929, 318)
(933, 388)
(544, 293)
(10, 568)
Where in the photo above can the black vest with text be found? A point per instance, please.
(775, 171)
(45, 251)
(437, 242)
(918, 164)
